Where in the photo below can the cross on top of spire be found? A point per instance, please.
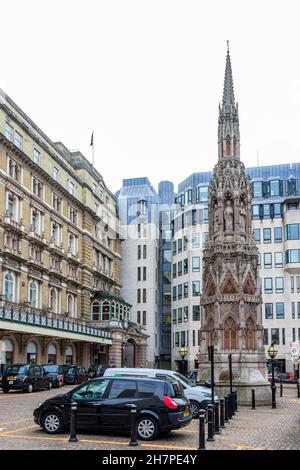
(228, 92)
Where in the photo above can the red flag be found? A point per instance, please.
(92, 139)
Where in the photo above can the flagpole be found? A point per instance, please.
(257, 155)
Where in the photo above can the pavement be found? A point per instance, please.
(260, 429)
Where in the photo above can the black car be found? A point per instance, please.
(56, 373)
(103, 405)
(26, 377)
(75, 375)
(96, 370)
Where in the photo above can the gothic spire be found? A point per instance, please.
(228, 92)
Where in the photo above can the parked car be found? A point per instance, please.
(96, 370)
(76, 375)
(198, 396)
(276, 375)
(56, 373)
(26, 377)
(103, 405)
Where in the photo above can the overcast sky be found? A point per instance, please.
(147, 77)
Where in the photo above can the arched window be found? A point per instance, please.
(105, 310)
(9, 349)
(31, 353)
(9, 287)
(96, 310)
(228, 150)
(53, 300)
(51, 354)
(33, 294)
(71, 305)
(250, 334)
(229, 334)
(69, 355)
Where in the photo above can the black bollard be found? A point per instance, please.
(226, 409)
(217, 418)
(222, 413)
(202, 415)
(253, 399)
(232, 404)
(210, 411)
(298, 390)
(73, 437)
(229, 406)
(133, 432)
(235, 401)
(281, 389)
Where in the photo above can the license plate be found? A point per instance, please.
(11, 378)
(186, 413)
(10, 382)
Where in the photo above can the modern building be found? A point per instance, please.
(60, 253)
(138, 205)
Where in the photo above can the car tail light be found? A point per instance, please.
(25, 379)
(170, 403)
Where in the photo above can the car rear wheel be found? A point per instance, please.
(195, 408)
(147, 428)
(52, 423)
(50, 385)
(30, 388)
(5, 390)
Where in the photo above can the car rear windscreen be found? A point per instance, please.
(175, 390)
(50, 368)
(15, 370)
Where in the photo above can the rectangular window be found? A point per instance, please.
(180, 291)
(205, 214)
(144, 296)
(256, 235)
(196, 312)
(283, 336)
(73, 215)
(180, 315)
(196, 264)
(267, 260)
(279, 285)
(179, 245)
(266, 211)
(145, 251)
(292, 232)
(138, 273)
(277, 235)
(8, 132)
(144, 273)
(174, 270)
(36, 156)
(196, 288)
(294, 334)
(139, 250)
(144, 317)
(174, 316)
(139, 296)
(56, 202)
(292, 256)
(180, 268)
(257, 189)
(292, 284)
(174, 249)
(255, 212)
(183, 343)
(174, 290)
(268, 285)
(167, 256)
(278, 259)
(195, 240)
(177, 339)
(185, 266)
(267, 235)
(55, 173)
(138, 316)
(71, 187)
(298, 310)
(277, 211)
(194, 338)
(266, 336)
(275, 335)
(293, 310)
(185, 290)
(275, 188)
(268, 311)
(37, 187)
(185, 243)
(185, 314)
(293, 206)
(18, 140)
(280, 310)
(202, 194)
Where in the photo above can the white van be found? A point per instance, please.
(198, 396)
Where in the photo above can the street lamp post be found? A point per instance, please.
(272, 351)
(183, 352)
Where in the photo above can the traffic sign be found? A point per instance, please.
(295, 349)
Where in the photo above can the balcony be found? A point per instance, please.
(18, 318)
(38, 238)
(15, 226)
(16, 253)
(73, 257)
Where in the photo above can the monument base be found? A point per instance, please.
(249, 372)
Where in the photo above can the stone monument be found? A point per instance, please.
(231, 298)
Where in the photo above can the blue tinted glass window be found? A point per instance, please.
(257, 189)
(277, 234)
(280, 310)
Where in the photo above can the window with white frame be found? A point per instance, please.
(73, 215)
(94, 188)
(36, 156)
(8, 132)
(55, 233)
(71, 187)
(57, 202)
(55, 173)
(36, 221)
(9, 287)
(12, 206)
(55, 262)
(37, 187)
(53, 299)
(33, 294)
(11, 241)
(71, 303)
(35, 253)
(14, 170)
(72, 243)
(18, 140)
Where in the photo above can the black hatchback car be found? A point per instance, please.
(103, 406)
(56, 373)
(96, 370)
(26, 377)
(75, 375)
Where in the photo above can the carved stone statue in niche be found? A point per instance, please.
(216, 217)
(228, 216)
(243, 216)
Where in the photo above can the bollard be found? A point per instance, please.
(226, 409)
(281, 389)
(73, 437)
(222, 413)
(202, 415)
(298, 390)
(210, 411)
(253, 399)
(217, 418)
(229, 406)
(235, 401)
(133, 432)
(232, 404)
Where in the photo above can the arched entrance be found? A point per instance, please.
(31, 353)
(8, 352)
(129, 354)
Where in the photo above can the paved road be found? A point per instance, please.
(260, 429)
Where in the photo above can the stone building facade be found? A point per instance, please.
(59, 248)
